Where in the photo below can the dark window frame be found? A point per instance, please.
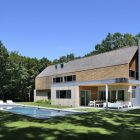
(62, 65)
(120, 96)
(57, 79)
(71, 78)
(63, 94)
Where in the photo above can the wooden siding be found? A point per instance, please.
(103, 73)
(94, 91)
(42, 83)
(134, 63)
(120, 71)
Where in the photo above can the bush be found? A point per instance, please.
(44, 101)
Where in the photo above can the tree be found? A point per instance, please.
(115, 41)
(3, 69)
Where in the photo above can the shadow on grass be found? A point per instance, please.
(106, 125)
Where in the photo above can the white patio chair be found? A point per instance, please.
(91, 104)
(10, 102)
(1, 102)
(128, 104)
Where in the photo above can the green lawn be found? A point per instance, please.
(95, 125)
(42, 104)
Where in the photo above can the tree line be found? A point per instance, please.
(17, 72)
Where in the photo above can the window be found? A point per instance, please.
(120, 95)
(63, 94)
(70, 78)
(133, 93)
(74, 77)
(137, 75)
(58, 80)
(57, 94)
(102, 95)
(55, 66)
(68, 94)
(132, 73)
(62, 65)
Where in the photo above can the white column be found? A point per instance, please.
(34, 95)
(116, 95)
(106, 87)
(130, 92)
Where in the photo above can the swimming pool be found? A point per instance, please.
(34, 111)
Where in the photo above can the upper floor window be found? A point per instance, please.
(57, 79)
(55, 66)
(70, 78)
(133, 74)
(62, 65)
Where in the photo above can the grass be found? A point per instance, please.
(95, 125)
(42, 104)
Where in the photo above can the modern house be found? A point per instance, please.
(109, 77)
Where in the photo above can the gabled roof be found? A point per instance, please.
(112, 58)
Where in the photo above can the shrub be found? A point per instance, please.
(44, 101)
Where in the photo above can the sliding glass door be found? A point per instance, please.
(85, 97)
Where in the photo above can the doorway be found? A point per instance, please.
(85, 97)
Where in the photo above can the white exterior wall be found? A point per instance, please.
(136, 100)
(74, 101)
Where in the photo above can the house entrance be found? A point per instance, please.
(85, 97)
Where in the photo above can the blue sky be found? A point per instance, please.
(52, 28)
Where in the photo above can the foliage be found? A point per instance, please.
(64, 59)
(115, 41)
(44, 101)
(17, 75)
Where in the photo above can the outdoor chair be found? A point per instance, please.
(91, 104)
(118, 104)
(1, 102)
(128, 104)
(10, 102)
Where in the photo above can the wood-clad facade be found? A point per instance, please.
(88, 79)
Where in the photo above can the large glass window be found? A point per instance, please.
(102, 95)
(120, 95)
(113, 96)
(133, 93)
(63, 94)
(68, 94)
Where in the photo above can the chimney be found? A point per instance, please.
(139, 57)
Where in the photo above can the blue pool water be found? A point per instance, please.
(35, 112)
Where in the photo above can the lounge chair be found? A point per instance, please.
(128, 104)
(10, 102)
(1, 102)
(117, 105)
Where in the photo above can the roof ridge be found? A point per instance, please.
(96, 55)
(122, 55)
